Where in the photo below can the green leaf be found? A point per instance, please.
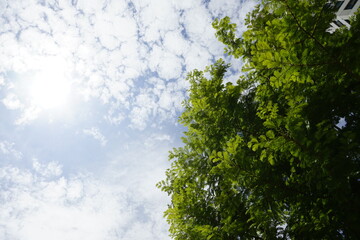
(270, 134)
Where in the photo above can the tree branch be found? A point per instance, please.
(347, 70)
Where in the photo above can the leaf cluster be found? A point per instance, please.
(276, 155)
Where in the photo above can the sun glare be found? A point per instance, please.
(49, 90)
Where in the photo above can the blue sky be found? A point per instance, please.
(90, 92)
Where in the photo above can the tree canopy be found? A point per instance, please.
(276, 155)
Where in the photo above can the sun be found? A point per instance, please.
(49, 87)
(49, 90)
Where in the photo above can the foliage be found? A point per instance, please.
(276, 155)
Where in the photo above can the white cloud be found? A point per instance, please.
(12, 102)
(7, 148)
(96, 134)
(79, 207)
(198, 57)
(139, 117)
(29, 114)
(51, 169)
(159, 100)
(202, 30)
(153, 140)
(2, 81)
(186, 4)
(175, 42)
(111, 46)
(169, 67)
(115, 115)
(91, 6)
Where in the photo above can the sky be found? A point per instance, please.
(90, 93)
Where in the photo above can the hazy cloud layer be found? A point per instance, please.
(108, 50)
(41, 203)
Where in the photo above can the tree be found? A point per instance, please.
(276, 155)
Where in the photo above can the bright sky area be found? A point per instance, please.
(90, 93)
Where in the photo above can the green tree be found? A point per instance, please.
(276, 155)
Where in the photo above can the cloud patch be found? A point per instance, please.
(8, 149)
(110, 47)
(51, 169)
(12, 102)
(96, 134)
(36, 205)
